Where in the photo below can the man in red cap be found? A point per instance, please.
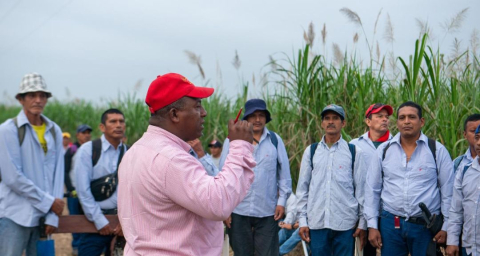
(167, 203)
(377, 120)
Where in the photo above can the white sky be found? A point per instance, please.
(94, 49)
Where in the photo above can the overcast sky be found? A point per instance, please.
(95, 50)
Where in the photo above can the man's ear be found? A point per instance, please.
(173, 114)
(102, 127)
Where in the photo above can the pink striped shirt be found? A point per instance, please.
(168, 205)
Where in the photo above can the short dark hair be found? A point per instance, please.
(413, 105)
(471, 118)
(110, 111)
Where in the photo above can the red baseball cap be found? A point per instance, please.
(171, 87)
(375, 108)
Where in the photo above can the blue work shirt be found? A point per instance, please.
(466, 160)
(86, 173)
(465, 209)
(207, 163)
(272, 186)
(404, 185)
(331, 195)
(31, 178)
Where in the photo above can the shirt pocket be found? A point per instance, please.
(426, 173)
(342, 171)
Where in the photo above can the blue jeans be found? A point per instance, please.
(14, 239)
(73, 205)
(332, 242)
(288, 240)
(409, 238)
(94, 244)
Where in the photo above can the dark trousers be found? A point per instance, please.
(331, 242)
(410, 238)
(369, 250)
(94, 244)
(254, 236)
(74, 209)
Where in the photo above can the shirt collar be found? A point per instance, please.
(170, 136)
(106, 144)
(423, 138)
(468, 155)
(475, 163)
(22, 120)
(336, 142)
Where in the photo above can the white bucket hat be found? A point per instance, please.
(33, 82)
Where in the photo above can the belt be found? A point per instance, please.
(110, 211)
(415, 220)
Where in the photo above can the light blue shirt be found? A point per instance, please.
(207, 163)
(465, 209)
(466, 160)
(31, 179)
(404, 185)
(331, 195)
(291, 210)
(262, 198)
(85, 174)
(367, 146)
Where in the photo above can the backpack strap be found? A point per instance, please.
(457, 162)
(21, 131)
(465, 169)
(432, 145)
(353, 150)
(273, 138)
(313, 148)
(96, 150)
(385, 151)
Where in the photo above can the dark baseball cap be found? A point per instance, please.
(334, 108)
(83, 127)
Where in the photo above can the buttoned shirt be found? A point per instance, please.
(169, 205)
(465, 209)
(466, 160)
(272, 185)
(31, 178)
(331, 195)
(86, 173)
(402, 185)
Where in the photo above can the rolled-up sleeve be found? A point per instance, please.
(284, 178)
(213, 198)
(303, 188)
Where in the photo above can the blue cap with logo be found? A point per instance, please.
(83, 128)
(334, 108)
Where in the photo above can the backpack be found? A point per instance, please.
(97, 150)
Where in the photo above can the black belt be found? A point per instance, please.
(415, 220)
(110, 211)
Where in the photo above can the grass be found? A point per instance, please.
(299, 86)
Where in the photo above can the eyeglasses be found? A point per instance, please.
(376, 106)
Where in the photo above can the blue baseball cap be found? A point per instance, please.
(256, 105)
(334, 108)
(83, 127)
(477, 130)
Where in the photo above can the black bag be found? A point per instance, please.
(104, 187)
